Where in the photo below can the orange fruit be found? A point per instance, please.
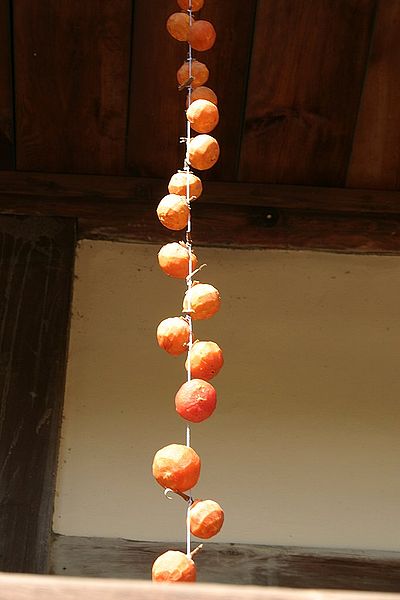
(206, 518)
(173, 259)
(201, 35)
(173, 212)
(206, 360)
(176, 467)
(200, 73)
(196, 4)
(201, 301)
(196, 400)
(173, 566)
(178, 26)
(203, 93)
(173, 335)
(178, 184)
(203, 152)
(203, 116)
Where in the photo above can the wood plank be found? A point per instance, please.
(306, 76)
(36, 272)
(242, 564)
(32, 587)
(157, 118)
(71, 75)
(375, 161)
(6, 92)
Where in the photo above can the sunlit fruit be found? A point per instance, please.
(201, 301)
(206, 518)
(178, 184)
(196, 400)
(203, 93)
(178, 26)
(203, 151)
(173, 212)
(206, 360)
(173, 566)
(176, 467)
(201, 35)
(174, 259)
(203, 116)
(196, 4)
(200, 73)
(173, 335)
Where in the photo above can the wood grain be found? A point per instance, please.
(307, 71)
(72, 73)
(30, 587)
(375, 161)
(232, 563)
(6, 92)
(36, 270)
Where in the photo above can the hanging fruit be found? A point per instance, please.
(201, 35)
(201, 301)
(203, 93)
(203, 152)
(206, 360)
(173, 212)
(178, 26)
(176, 467)
(203, 116)
(200, 73)
(196, 400)
(173, 335)
(206, 518)
(174, 260)
(173, 566)
(178, 185)
(196, 4)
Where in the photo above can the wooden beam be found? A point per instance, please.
(6, 90)
(36, 273)
(30, 587)
(228, 214)
(240, 564)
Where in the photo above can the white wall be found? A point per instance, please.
(304, 448)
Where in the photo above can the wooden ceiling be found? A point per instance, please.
(309, 95)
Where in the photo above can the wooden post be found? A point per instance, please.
(36, 273)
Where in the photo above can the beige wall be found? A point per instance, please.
(304, 448)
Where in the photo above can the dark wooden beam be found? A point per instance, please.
(241, 215)
(240, 564)
(36, 273)
(6, 89)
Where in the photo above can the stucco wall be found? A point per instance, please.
(304, 448)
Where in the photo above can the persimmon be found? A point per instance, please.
(206, 360)
(173, 335)
(173, 566)
(200, 73)
(178, 26)
(174, 258)
(196, 400)
(203, 151)
(206, 518)
(178, 184)
(173, 212)
(203, 93)
(203, 116)
(196, 4)
(176, 467)
(201, 301)
(201, 35)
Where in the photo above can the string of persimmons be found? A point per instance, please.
(176, 467)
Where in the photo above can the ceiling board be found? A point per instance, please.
(306, 76)
(375, 161)
(72, 73)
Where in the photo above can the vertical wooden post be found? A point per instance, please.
(36, 274)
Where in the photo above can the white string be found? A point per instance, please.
(190, 273)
